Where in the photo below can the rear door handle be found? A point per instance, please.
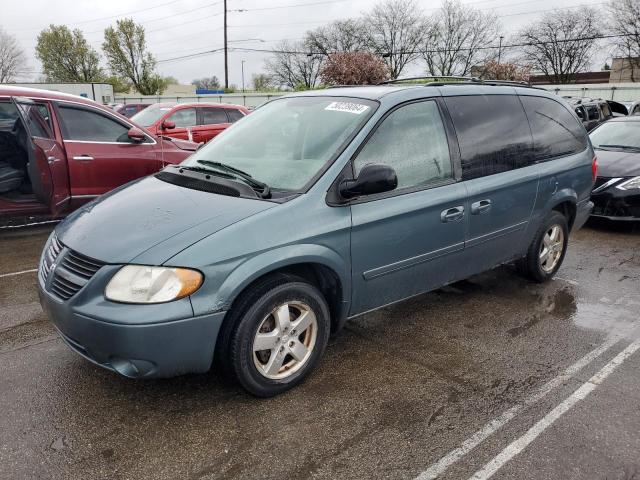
(452, 214)
(83, 158)
(481, 206)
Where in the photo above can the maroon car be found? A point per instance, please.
(130, 109)
(58, 151)
(196, 122)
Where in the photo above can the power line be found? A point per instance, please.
(110, 16)
(288, 6)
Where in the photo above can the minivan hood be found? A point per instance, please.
(129, 221)
(618, 163)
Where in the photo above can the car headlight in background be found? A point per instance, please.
(142, 284)
(630, 184)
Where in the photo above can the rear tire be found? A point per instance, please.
(276, 335)
(547, 250)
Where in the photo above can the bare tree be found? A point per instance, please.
(12, 57)
(394, 31)
(624, 21)
(207, 83)
(291, 67)
(348, 35)
(561, 43)
(456, 39)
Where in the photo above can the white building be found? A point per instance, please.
(100, 92)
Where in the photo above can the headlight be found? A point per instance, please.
(630, 184)
(140, 284)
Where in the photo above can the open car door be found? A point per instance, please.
(47, 166)
(618, 108)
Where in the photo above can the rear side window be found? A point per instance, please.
(91, 126)
(213, 116)
(493, 134)
(411, 140)
(234, 115)
(555, 131)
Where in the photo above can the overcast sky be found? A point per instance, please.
(181, 27)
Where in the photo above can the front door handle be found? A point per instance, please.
(83, 158)
(481, 206)
(452, 214)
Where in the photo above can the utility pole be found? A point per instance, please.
(226, 65)
(500, 49)
(242, 63)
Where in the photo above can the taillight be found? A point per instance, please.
(594, 167)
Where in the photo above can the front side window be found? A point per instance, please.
(555, 131)
(8, 115)
(91, 126)
(150, 115)
(412, 141)
(288, 141)
(37, 118)
(213, 116)
(493, 134)
(185, 117)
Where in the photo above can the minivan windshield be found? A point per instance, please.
(286, 142)
(617, 135)
(150, 115)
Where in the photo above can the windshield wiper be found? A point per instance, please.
(205, 170)
(262, 188)
(622, 147)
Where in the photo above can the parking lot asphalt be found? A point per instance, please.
(490, 377)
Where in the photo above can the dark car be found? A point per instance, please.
(592, 112)
(58, 151)
(317, 207)
(616, 194)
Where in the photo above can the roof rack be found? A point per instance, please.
(430, 77)
(436, 81)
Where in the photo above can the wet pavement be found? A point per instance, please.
(451, 383)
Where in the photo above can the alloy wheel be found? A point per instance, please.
(284, 341)
(551, 248)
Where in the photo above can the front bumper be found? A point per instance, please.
(140, 350)
(616, 204)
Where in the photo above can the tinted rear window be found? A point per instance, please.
(555, 131)
(493, 134)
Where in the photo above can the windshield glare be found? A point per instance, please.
(287, 141)
(617, 133)
(149, 115)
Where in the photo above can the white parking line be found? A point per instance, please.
(18, 273)
(438, 468)
(580, 394)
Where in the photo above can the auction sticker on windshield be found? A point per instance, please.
(349, 107)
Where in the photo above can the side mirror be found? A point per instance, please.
(136, 135)
(168, 125)
(373, 178)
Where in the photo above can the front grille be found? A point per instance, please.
(63, 288)
(82, 266)
(50, 255)
(72, 272)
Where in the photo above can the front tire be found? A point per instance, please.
(279, 333)
(547, 250)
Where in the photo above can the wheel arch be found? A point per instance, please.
(322, 267)
(565, 202)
